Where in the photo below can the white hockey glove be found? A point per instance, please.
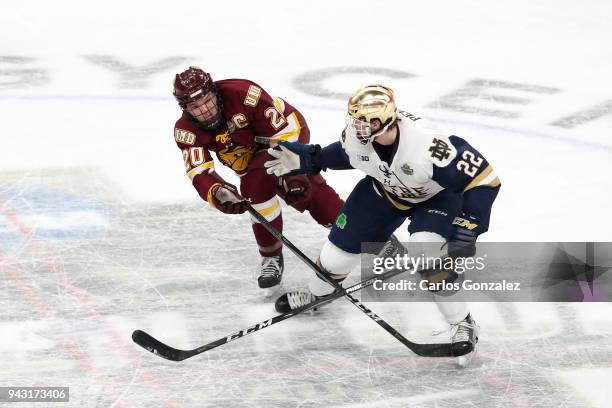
(285, 162)
(292, 159)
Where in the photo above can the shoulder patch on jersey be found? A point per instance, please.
(252, 96)
(407, 170)
(184, 136)
(439, 149)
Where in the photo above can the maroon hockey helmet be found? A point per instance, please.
(192, 84)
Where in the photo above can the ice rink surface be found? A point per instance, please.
(101, 232)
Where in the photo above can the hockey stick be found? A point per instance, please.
(156, 347)
(420, 349)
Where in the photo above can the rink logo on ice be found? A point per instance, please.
(49, 214)
(472, 97)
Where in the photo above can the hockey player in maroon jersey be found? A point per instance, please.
(238, 121)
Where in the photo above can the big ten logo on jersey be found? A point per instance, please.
(409, 116)
(184, 136)
(252, 96)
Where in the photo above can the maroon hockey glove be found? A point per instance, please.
(225, 198)
(295, 190)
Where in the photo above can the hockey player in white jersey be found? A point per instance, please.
(444, 185)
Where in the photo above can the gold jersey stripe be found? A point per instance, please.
(476, 181)
(280, 105)
(209, 196)
(395, 203)
(496, 182)
(295, 132)
(378, 188)
(200, 169)
(284, 136)
(269, 210)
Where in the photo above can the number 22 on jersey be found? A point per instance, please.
(470, 163)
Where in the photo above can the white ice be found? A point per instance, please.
(101, 232)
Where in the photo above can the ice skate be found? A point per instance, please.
(464, 336)
(293, 299)
(392, 248)
(464, 339)
(271, 274)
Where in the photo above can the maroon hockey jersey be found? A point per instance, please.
(253, 120)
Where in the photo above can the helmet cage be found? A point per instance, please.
(361, 129)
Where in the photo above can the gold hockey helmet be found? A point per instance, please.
(369, 103)
(373, 102)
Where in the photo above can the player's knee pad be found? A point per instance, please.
(336, 264)
(427, 249)
(424, 244)
(337, 261)
(454, 308)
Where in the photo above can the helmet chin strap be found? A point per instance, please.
(381, 131)
(211, 124)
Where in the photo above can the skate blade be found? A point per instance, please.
(273, 290)
(465, 360)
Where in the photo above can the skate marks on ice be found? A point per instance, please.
(184, 273)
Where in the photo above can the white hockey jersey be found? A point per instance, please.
(420, 163)
(410, 174)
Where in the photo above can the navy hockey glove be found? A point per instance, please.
(462, 243)
(293, 158)
(225, 198)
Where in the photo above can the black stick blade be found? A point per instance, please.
(156, 347)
